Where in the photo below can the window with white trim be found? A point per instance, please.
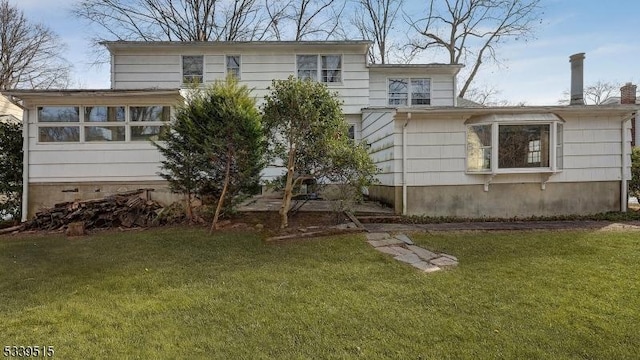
(192, 69)
(59, 124)
(414, 91)
(327, 68)
(233, 66)
(514, 145)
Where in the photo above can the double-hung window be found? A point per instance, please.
(514, 144)
(192, 69)
(326, 68)
(233, 66)
(414, 91)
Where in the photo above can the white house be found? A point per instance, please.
(9, 112)
(436, 158)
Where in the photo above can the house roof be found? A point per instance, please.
(624, 111)
(462, 102)
(22, 94)
(404, 69)
(362, 45)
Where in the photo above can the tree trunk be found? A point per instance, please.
(189, 209)
(214, 223)
(288, 191)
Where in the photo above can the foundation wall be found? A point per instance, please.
(504, 200)
(44, 195)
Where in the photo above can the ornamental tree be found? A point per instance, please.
(304, 124)
(214, 146)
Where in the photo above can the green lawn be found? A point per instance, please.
(181, 293)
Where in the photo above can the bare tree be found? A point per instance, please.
(375, 21)
(470, 30)
(175, 20)
(595, 94)
(304, 19)
(30, 54)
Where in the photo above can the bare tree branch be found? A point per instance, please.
(375, 21)
(595, 94)
(30, 54)
(470, 30)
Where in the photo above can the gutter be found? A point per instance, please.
(25, 164)
(404, 164)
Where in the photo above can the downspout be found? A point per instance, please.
(404, 164)
(624, 195)
(25, 164)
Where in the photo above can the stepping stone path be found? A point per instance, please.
(403, 249)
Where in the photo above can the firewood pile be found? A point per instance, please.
(121, 210)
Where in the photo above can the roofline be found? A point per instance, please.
(87, 92)
(122, 44)
(417, 66)
(622, 110)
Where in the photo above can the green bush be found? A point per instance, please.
(11, 170)
(634, 184)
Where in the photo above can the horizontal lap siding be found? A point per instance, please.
(258, 70)
(379, 132)
(437, 152)
(441, 87)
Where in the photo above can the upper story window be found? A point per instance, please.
(192, 69)
(233, 66)
(101, 123)
(414, 91)
(512, 144)
(327, 68)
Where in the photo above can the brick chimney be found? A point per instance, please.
(577, 79)
(628, 94)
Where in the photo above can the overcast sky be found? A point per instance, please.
(535, 72)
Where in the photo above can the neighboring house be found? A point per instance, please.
(438, 155)
(628, 95)
(9, 112)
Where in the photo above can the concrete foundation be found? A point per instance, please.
(504, 200)
(44, 195)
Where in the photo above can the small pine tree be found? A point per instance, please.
(214, 146)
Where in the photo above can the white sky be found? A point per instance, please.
(535, 72)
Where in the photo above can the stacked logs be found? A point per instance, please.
(121, 210)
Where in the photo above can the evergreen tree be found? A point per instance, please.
(11, 170)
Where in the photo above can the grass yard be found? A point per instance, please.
(181, 293)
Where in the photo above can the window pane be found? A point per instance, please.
(398, 91)
(523, 146)
(420, 92)
(352, 132)
(559, 147)
(104, 114)
(479, 148)
(233, 66)
(307, 67)
(144, 133)
(104, 133)
(59, 114)
(192, 68)
(332, 68)
(150, 113)
(59, 134)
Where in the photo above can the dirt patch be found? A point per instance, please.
(268, 222)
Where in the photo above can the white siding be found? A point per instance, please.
(378, 130)
(441, 86)
(95, 161)
(436, 153)
(161, 68)
(8, 108)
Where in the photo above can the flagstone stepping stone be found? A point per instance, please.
(408, 258)
(378, 236)
(443, 261)
(450, 257)
(426, 267)
(385, 242)
(404, 238)
(394, 250)
(423, 253)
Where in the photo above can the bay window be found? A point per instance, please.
(514, 144)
